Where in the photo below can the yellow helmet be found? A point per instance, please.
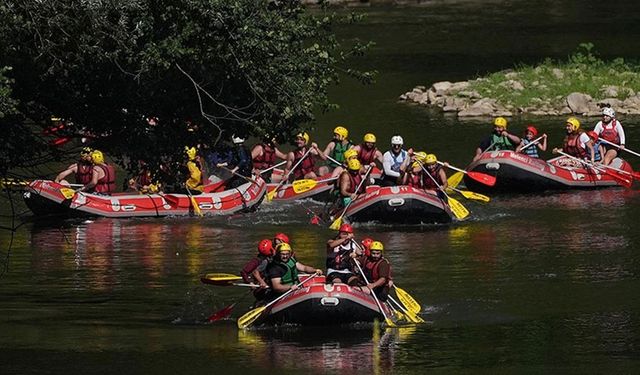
(430, 159)
(500, 121)
(341, 131)
(370, 138)
(354, 164)
(350, 153)
(303, 135)
(376, 245)
(419, 156)
(283, 247)
(86, 151)
(575, 123)
(97, 157)
(191, 152)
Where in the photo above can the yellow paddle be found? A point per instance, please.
(472, 195)
(407, 300)
(407, 314)
(457, 208)
(247, 319)
(389, 322)
(220, 277)
(301, 186)
(271, 194)
(455, 179)
(194, 203)
(67, 193)
(338, 222)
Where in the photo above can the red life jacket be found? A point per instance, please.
(416, 180)
(267, 159)
(307, 165)
(107, 184)
(366, 157)
(355, 182)
(609, 132)
(372, 270)
(84, 172)
(143, 178)
(428, 182)
(572, 146)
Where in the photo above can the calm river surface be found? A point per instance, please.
(530, 284)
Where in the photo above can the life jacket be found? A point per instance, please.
(397, 162)
(355, 182)
(572, 146)
(307, 165)
(609, 132)
(339, 258)
(291, 274)
(107, 184)
(531, 151)
(338, 152)
(267, 159)
(84, 172)
(596, 151)
(366, 156)
(428, 182)
(416, 180)
(251, 266)
(191, 184)
(501, 143)
(372, 270)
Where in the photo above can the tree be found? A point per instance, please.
(205, 69)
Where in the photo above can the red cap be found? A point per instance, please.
(282, 237)
(593, 135)
(366, 243)
(532, 129)
(265, 247)
(347, 228)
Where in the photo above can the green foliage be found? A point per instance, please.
(7, 102)
(550, 81)
(206, 69)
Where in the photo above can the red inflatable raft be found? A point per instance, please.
(399, 205)
(317, 303)
(519, 173)
(46, 197)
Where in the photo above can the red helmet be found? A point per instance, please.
(366, 243)
(347, 228)
(265, 247)
(532, 129)
(593, 135)
(282, 237)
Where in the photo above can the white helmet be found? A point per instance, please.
(237, 140)
(608, 111)
(397, 140)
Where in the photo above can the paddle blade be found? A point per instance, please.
(482, 178)
(408, 301)
(67, 193)
(336, 224)
(247, 319)
(196, 208)
(458, 209)
(270, 195)
(390, 322)
(475, 196)
(225, 312)
(219, 277)
(301, 186)
(455, 179)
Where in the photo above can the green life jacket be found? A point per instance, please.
(291, 276)
(338, 152)
(501, 143)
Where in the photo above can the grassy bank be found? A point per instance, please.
(553, 80)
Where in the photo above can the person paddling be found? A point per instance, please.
(610, 130)
(499, 139)
(283, 271)
(254, 271)
(377, 269)
(368, 153)
(532, 151)
(349, 181)
(335, 149)
(306, 169)
(340, 253)
(436, 171)
(239, 164)
(576, 143)
(412, 173)
(393, 159)
(264, 155)
(83, 169)
(103, 176)
(193, 170)
(598, 148)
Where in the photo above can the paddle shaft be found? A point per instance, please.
(286, 178)
(287, 293)
(600, 168)
(375, 297)
(535, 141)
(364, 178)
(618, 146)
(273, 167)
(433, 179)
(239, 175)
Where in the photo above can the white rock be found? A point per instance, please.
(578, 102)
(431, 96)
(566, 111)
(610, 91)
(470, 94)
(421, 88)
(559, 74)
(441, 88)
(457, 86)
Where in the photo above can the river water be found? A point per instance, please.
(530, 283)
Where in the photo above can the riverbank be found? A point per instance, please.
(582, 85)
